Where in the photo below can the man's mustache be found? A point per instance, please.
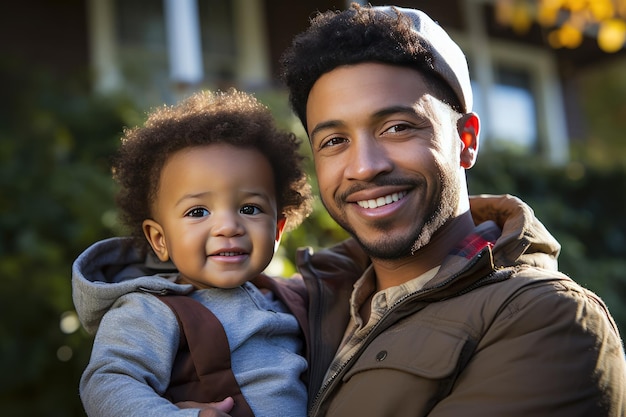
(378, 182)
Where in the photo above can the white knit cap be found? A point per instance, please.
(448, 59)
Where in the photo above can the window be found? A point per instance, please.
(141, 40)
(142, 48)
(218, 38)
(523, 111)
(512, 115)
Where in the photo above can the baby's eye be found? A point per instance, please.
(250, 210)
(197, 212)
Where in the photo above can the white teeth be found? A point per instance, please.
(229, 253)
(381, 201)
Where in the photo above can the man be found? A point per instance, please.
(462, 311)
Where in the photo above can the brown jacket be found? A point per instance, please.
(500, 334)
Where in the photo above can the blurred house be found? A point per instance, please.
(159, 50)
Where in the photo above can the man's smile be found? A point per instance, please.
(382, 201)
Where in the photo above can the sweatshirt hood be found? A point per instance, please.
(112, 268)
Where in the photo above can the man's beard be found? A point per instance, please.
(397, 247)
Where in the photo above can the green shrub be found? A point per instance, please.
(55, 200)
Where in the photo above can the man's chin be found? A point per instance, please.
(386, 249)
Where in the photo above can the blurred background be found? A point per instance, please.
(550, 83)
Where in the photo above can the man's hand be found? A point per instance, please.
(217, 409)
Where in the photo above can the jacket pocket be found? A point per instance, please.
(427, 352)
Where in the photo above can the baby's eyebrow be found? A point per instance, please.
(260, 194)
(190, 196)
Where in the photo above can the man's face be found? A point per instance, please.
(387, 156)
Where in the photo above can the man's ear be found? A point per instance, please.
(469, 127)
(156, 237)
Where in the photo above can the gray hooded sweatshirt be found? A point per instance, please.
(137, 337)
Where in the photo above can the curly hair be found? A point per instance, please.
(359, 34)
(205, 118)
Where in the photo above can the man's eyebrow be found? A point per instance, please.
(324, 125)
(409, 110)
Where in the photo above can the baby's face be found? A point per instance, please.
(215, 215)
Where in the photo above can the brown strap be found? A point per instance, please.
(202, 371)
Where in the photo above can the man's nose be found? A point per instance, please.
(368, 159)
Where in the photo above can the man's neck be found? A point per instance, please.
(394, 272)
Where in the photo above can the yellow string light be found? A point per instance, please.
(612, 35)
(601, 10)
(606, 17)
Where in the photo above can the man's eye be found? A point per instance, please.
(397, 128)
(197, 212)
(334, 141)
(249, 209)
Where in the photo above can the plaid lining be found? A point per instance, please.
(484, 235)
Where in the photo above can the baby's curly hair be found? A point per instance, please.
(359, 34)
(205, 118)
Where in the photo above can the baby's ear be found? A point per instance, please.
(156, 237)
(280, 227)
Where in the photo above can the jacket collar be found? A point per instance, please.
(507, 233)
